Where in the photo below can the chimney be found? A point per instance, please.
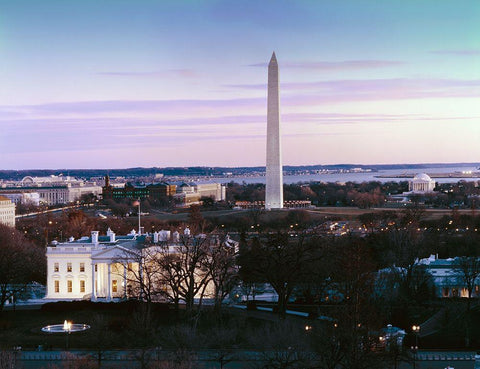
(111, 234)
(95, 237)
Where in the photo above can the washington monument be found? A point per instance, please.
(274, 189)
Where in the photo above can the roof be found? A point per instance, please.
(422, 177)
(3, 198)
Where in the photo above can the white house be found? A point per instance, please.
(106, 267)
(447, 277)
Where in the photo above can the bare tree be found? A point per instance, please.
(20, 263)
(221, 265)
(468, 269)
(181, 270)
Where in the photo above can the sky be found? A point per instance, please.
(124, 83)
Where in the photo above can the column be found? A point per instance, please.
(94, 292)
(125, 280)
(109, 284)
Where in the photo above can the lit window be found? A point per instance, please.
(114, 285)
(57, 286)
(82, 267)
(69, 286)
(56, 268)
(69, 267)
(82, 286)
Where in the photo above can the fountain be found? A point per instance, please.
(67, 328)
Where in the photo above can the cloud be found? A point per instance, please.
(464, 52)
(186, 73)
(372, 90)
(336, 65)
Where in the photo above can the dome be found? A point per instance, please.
(422, 177)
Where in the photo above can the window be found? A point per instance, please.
(95, 267)
(69, 286)
(82, 267)
(82, 286)
(114, 285)
(56, 268)
(69, 267)
(57, 286)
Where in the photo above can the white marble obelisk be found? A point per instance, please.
(274, 188)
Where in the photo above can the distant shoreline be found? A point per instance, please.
(434, 175)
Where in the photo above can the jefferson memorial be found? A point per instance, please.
(421, 183)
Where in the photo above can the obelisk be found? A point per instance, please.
(274, 188)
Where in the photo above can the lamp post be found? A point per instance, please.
(415, 330)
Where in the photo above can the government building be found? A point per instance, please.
(109, 268)
(7, 211)
(421, 183)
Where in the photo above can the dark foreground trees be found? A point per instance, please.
(21, 262)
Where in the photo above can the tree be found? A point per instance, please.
(221, 265)
(468, 269)
(20, 263)
(277, 260)
(180, 270)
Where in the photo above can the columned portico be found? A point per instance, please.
(94, 289)
(109, 282)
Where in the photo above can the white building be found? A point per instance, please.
(56, 194)
(105, 267)
(421, 183)
(24, 198)
(447, 277)
(7, 211)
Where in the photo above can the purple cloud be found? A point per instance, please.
(337, 65)
(186, 73)
(373, 89)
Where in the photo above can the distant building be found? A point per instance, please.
(7, 211)
(137, 190)
(292, 204)
(52, 190)
(421, 183)
(23, 198)
(191, 193)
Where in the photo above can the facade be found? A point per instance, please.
(447, 277)
(137, 190)
(7, 211)
(57, 194)
(421, 183)
(191, 193)
(23, 198)
(106, 267)
(274, 169)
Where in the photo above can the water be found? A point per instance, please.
(354, 177)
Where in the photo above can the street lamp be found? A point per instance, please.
(415, 330)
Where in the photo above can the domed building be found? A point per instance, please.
(421, 183)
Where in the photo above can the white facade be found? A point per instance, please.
(421, 183)
(103, 267)
(274, 169)
(53, 195)
(24, 198)
(447, 277)
(7, 211)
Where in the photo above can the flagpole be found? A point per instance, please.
(139, 229)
